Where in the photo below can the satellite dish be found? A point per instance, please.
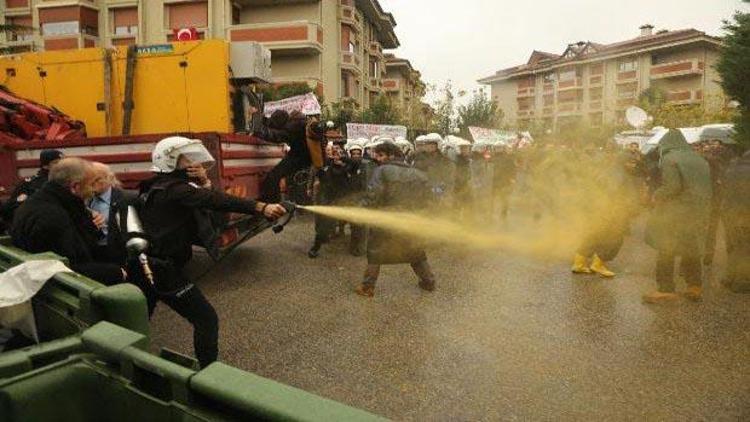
(636, 117)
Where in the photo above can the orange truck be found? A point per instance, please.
(128, 99)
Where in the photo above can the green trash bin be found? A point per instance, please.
(105, 375)
(69, 302)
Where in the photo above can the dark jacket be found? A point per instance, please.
(176, 214)
(736, 206)
(26, 188)
(679, 219)
(55, 220)
(292, 133)
(439, 170)
(397, 187)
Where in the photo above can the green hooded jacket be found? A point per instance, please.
(679, 220)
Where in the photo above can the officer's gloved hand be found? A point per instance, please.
(271, 211)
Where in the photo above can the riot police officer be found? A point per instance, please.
(47, 158)
(175, 208)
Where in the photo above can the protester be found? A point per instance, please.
(395, 186)
(736, 219)
(176, 206)
(55, 219)
(503, 179)
(462, 186)
(105, 204)
(611, 197)
(677, 226)
(306, 148)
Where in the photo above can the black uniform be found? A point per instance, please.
(176, 214)
(358, 172)
(333, 185)
(21, 192)
(55, 220)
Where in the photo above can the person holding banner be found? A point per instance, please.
(306, 140)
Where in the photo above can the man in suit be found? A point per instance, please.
(108, 199)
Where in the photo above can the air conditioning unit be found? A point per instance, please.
(250, 60)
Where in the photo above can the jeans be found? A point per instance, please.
(690, 266)
(421, 269)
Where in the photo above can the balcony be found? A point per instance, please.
(351, 61)
(596, 80)
(348, 16)
(525, 92)
(548, 87)
(376, 49)
(569, 84)
(375, 84)
(391, 85)
(685, 97)
(595, 104)
(627, 77)
(525, 113)
(623, 103)
(282, 38)
(676, 69)
(569, 109)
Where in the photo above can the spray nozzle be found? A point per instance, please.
(290, 207)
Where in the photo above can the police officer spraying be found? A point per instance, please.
(175, 206)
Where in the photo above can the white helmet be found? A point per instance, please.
(168, 151)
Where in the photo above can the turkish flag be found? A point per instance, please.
(185, 34)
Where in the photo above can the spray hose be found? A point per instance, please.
(291, 208)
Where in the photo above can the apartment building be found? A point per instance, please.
(403, 83)
(594, 83)
(335, 46)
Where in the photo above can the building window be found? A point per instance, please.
(627, 65)
(549, 78)
(374, 67)
(125, 21)
(346, 90)
(236, 12)
(20, 34)
(627, 90)
(595, 94)
(568, 75)
(662, 58)
(186, 15)
(61, 28)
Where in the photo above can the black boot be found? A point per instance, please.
(314, 252)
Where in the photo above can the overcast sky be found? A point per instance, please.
(469, 39)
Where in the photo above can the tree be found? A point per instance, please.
(282, 91)
(480, 111)
(445, 109)
(733, 67)
(382, 111)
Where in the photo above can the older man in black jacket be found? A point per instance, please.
(55, 219)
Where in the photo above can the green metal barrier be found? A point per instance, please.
(104, 374)
(70, 302)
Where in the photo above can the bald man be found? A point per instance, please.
(56, 219)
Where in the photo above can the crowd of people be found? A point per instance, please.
(74, 207)
(595, 192)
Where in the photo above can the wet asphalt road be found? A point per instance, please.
(504, 337)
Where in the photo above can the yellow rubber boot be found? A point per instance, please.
(579, 265)
(597, 266)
